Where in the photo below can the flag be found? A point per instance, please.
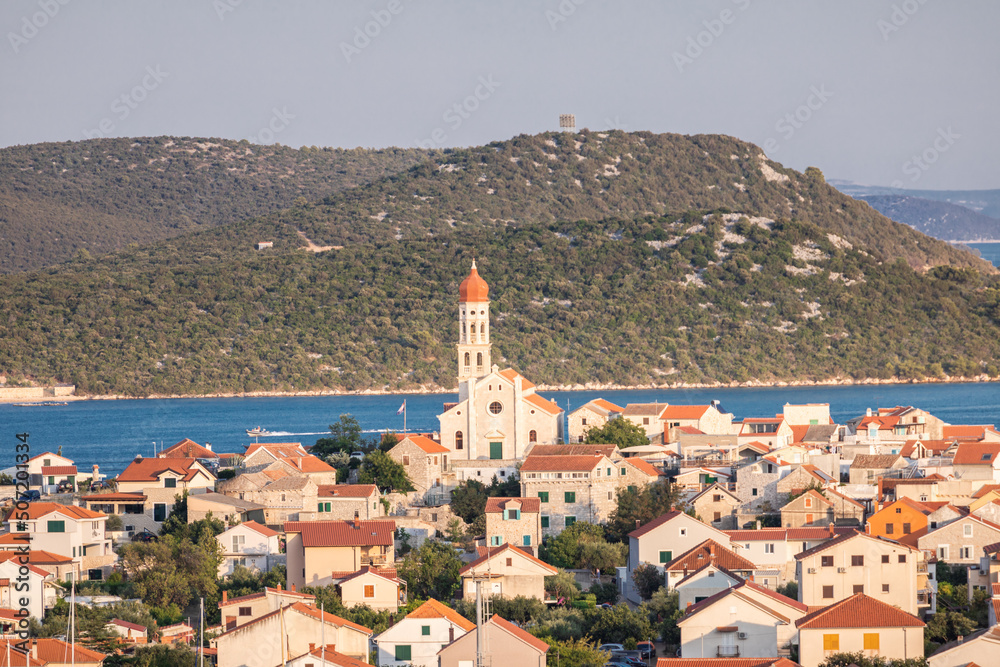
(402, 408)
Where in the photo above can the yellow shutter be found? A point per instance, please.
(871, 641)
(831, 642)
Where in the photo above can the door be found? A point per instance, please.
(496, 450)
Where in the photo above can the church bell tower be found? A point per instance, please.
(473, 328)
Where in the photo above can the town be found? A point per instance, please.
(654, 533)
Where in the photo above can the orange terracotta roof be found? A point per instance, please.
(560, 463)
(726, 662)
(655, 523)
(328, 617)
(11, 656)
(434, 609)
(976, 453)
(277, 449)
(495, 505)
(260, 528)
(309, 463)
(15, 538)
(274, 475)
(606, 405)
(388, 574)
(492, 552)
(334, 657)
(343, 533)
(56, 650)
(58, 470)
(115, 497)
(473, 289)
(510, 374)
(701, 606)
(799, 432)
(187, 449)
(690, 430)
(984, 489)
(425, 443)
(859, 611)
(543, 404)
(967, 431)
(573, 450)
(709, 551)
(644, 466)
(525, 637)
(127, 624)
(38, 557)
(149, 470)
(686, 411)
(347, 490)
(37, 510)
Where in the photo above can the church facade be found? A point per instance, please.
(498, 414)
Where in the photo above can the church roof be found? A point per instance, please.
(473, 289)
(547, 406)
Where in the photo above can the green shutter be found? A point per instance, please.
(57, 527)
(52, 480)
(545, 522)
(632, 489)
(569, 521)
(543, 496)
(569, 496)
(425, 630)
(609, 472)
(320, 507)
(526, 540)
(170, 483)
(517, 514)
(623, 472)
(666, 556)
(496, 450)
(403, 652)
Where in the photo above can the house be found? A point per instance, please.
(345, 501)
(726, 662)
(961, 542)
(868, 468)
(163, 480)
(708, 419)
(858, 563)
(816, 509)
(757, 484)
(899, 423)
(967, 433)
(593, 414)
(48, 652)
(188, 449)
(508, 645)
(717, 506)
(130, 633)
(977, 460)
(657, 541)
(134, 509)
(20, 581)
(314, 549)
(424, 461)
(283, 496)
(648, 416)
(514, 521)
(859, 623)
(324, 656)
(897, 519)
(228, 509)
(803, 477)
(178, 633)
(770, 431)
(773, 549)
(980, 648)
(703, 583)
(379, 588)
(570, 489)
(700, 478)
(260, 455)
(62, 568)
(247, 608)
(47, 481)
(416, 639)
(269, 640)
(510, 572)
(249, 545)
(708, 552)
(70, 531)
(611, 451)
(745, 621)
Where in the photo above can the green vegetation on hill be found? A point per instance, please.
(57, 199)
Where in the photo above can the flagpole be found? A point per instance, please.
(404, 416)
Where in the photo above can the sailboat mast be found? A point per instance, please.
(322, 634)
(201, 635)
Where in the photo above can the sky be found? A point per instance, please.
(880, 92)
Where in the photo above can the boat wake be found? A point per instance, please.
(283, 433)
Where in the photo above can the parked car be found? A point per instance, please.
(606, 605)
(630, 660)
(65, 487)
(30, 495)
(144, 536)
(611, 647)
(648, 649)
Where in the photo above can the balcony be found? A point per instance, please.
(727, 652)
(374, 561)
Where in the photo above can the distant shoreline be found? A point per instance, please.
(750, 384)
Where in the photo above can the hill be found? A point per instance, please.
(949, 222)
(591, 283)
(986, 202)
(100, 195)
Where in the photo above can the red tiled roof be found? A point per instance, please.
(799, 432)
(644, 466)
(35, 458)
(573, 450)
(115, 497)
(967, 431)
(347, 490)
(334, 657)
(308, 463)
(38, 556)
(690, 430)
(260, 528)
(984, 489)
(726, 662)
(58, 470)
(525, 637)
(187, 449)
(56, 650)
(16, 657)
(510, 374)
(854, 534)
(434, 609)
(328, 617)
(491, 552)
(685, 411)
(543, 404)
(976, 453)
(126, 624)
(698, 607)
(278, 450)
(36, 510)
(606, 405)
(343, 533)
(15, 538)
(709, 551)
(425, 443)
(560, 463)
(12, 555)
(388, 574)
(149, 470)
(859, 611)
(874, 461)
(495, 505)
(781, 534)
(655, 523)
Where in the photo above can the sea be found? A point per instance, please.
(111, 433)
(988, 251)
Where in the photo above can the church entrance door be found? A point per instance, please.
(496, 450)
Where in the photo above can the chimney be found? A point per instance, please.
(357, 522)
(208, 446)
(758, 524)
(868, 412)
(279, 587)
(711, 550)
(868, 528)
(636, 523)
(225, 597)
(34, 649)
(96, 473)
(831, 529)
(312, 647)
(293, 588)
(961, 638)
(451, 634)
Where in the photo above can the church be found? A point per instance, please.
(498, 414)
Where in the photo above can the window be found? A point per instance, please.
(370, 590)
(496, 407)
(666, 556)
(246, 611)
(906, 529)
(899, 510)
(170, 483)
(645, 421)
(859, 588)
(769, 548)
(871, 641)
(526, 540)
(624, 472)
(716, 497)
(511, 514)
(57, 527)
(532, 436)
(683, 532)
(965, 553)
(889, 529)
(828, 591)
(609, 495)
(495, 541)
(479, 359)
(943, 552)
(543, 496)
(425, 630)
(510, 562)
(831, 642)
(609, 472)
(902, 558)
(159, 512)
(238, 541)
(403, 652)
(468, 360)
(809, 502)
(569, 521)
(545, 521)
(583, 422)
(885, 558)
(967, 530)
(885, 588)
(717, 517)
(857, 561)
(827, 561)
(406, 459)
(459, 440)
(569, 497)
(753, 492)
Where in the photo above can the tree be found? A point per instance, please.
(468, 500)
(563, 550)
(602, 555)
(605, 592)
(619, 432)
(946, 626)
(380, 469)
(563, 585)
(574, 653)
(647, 579)
(173, 570)
(789, 590)
(663, 609)
(616, 625)
(114, 523)
(431, 571)
(345, 436)
(636, 507)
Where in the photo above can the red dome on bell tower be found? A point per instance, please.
(473, 289)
